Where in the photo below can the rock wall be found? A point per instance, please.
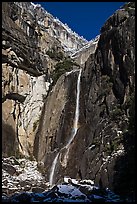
(27, 70)
(110, 75)
(83, 54)
(100, 149)
(52, 26)
(24, 81)
(56, 118)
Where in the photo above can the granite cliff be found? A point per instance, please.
(30, 50)
(74, 123)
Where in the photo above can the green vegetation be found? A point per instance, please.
(41, 169)
(31, 157)
(108, 149)
(96, 141)
(18, 154)
(53, 54)
(62, 67)
(106, 86)
(64, 64)
(43, 98)
(116, 113)
(113, 145)
(12, 88)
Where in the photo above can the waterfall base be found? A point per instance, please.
(72, 191)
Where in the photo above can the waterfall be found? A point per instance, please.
(74, 131)
(53, 170)
(75, 124)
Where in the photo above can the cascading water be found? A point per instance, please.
(75, 124)
(53, 169)
(74, 131)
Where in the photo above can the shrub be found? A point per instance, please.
(106, 86)
(55, 55)
(62, 67)
(116, 113)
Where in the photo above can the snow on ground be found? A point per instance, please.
(27, 174)
(30, 172)
(71, 192)
(24, 175)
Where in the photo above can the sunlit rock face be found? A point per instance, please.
(25, 80)
(27, 69)
(50, 26)
(83, 54)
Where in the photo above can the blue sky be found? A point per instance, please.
(85, 18)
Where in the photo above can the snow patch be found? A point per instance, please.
(72, 191)
(89, 182)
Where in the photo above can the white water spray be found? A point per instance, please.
(75, 124)
(53, 170)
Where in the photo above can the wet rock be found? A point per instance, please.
(9, 168)
(5, 198)
(23, 197)
(12, 190)
(37, 189)
(24, 183)
(66, 193)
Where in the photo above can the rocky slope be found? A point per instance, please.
(25, 183)
(21, 175)
(40, 96)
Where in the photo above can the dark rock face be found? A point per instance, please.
(9, 140)
(24, 46)
(110, 78)
(99, 150)
(14, 96)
